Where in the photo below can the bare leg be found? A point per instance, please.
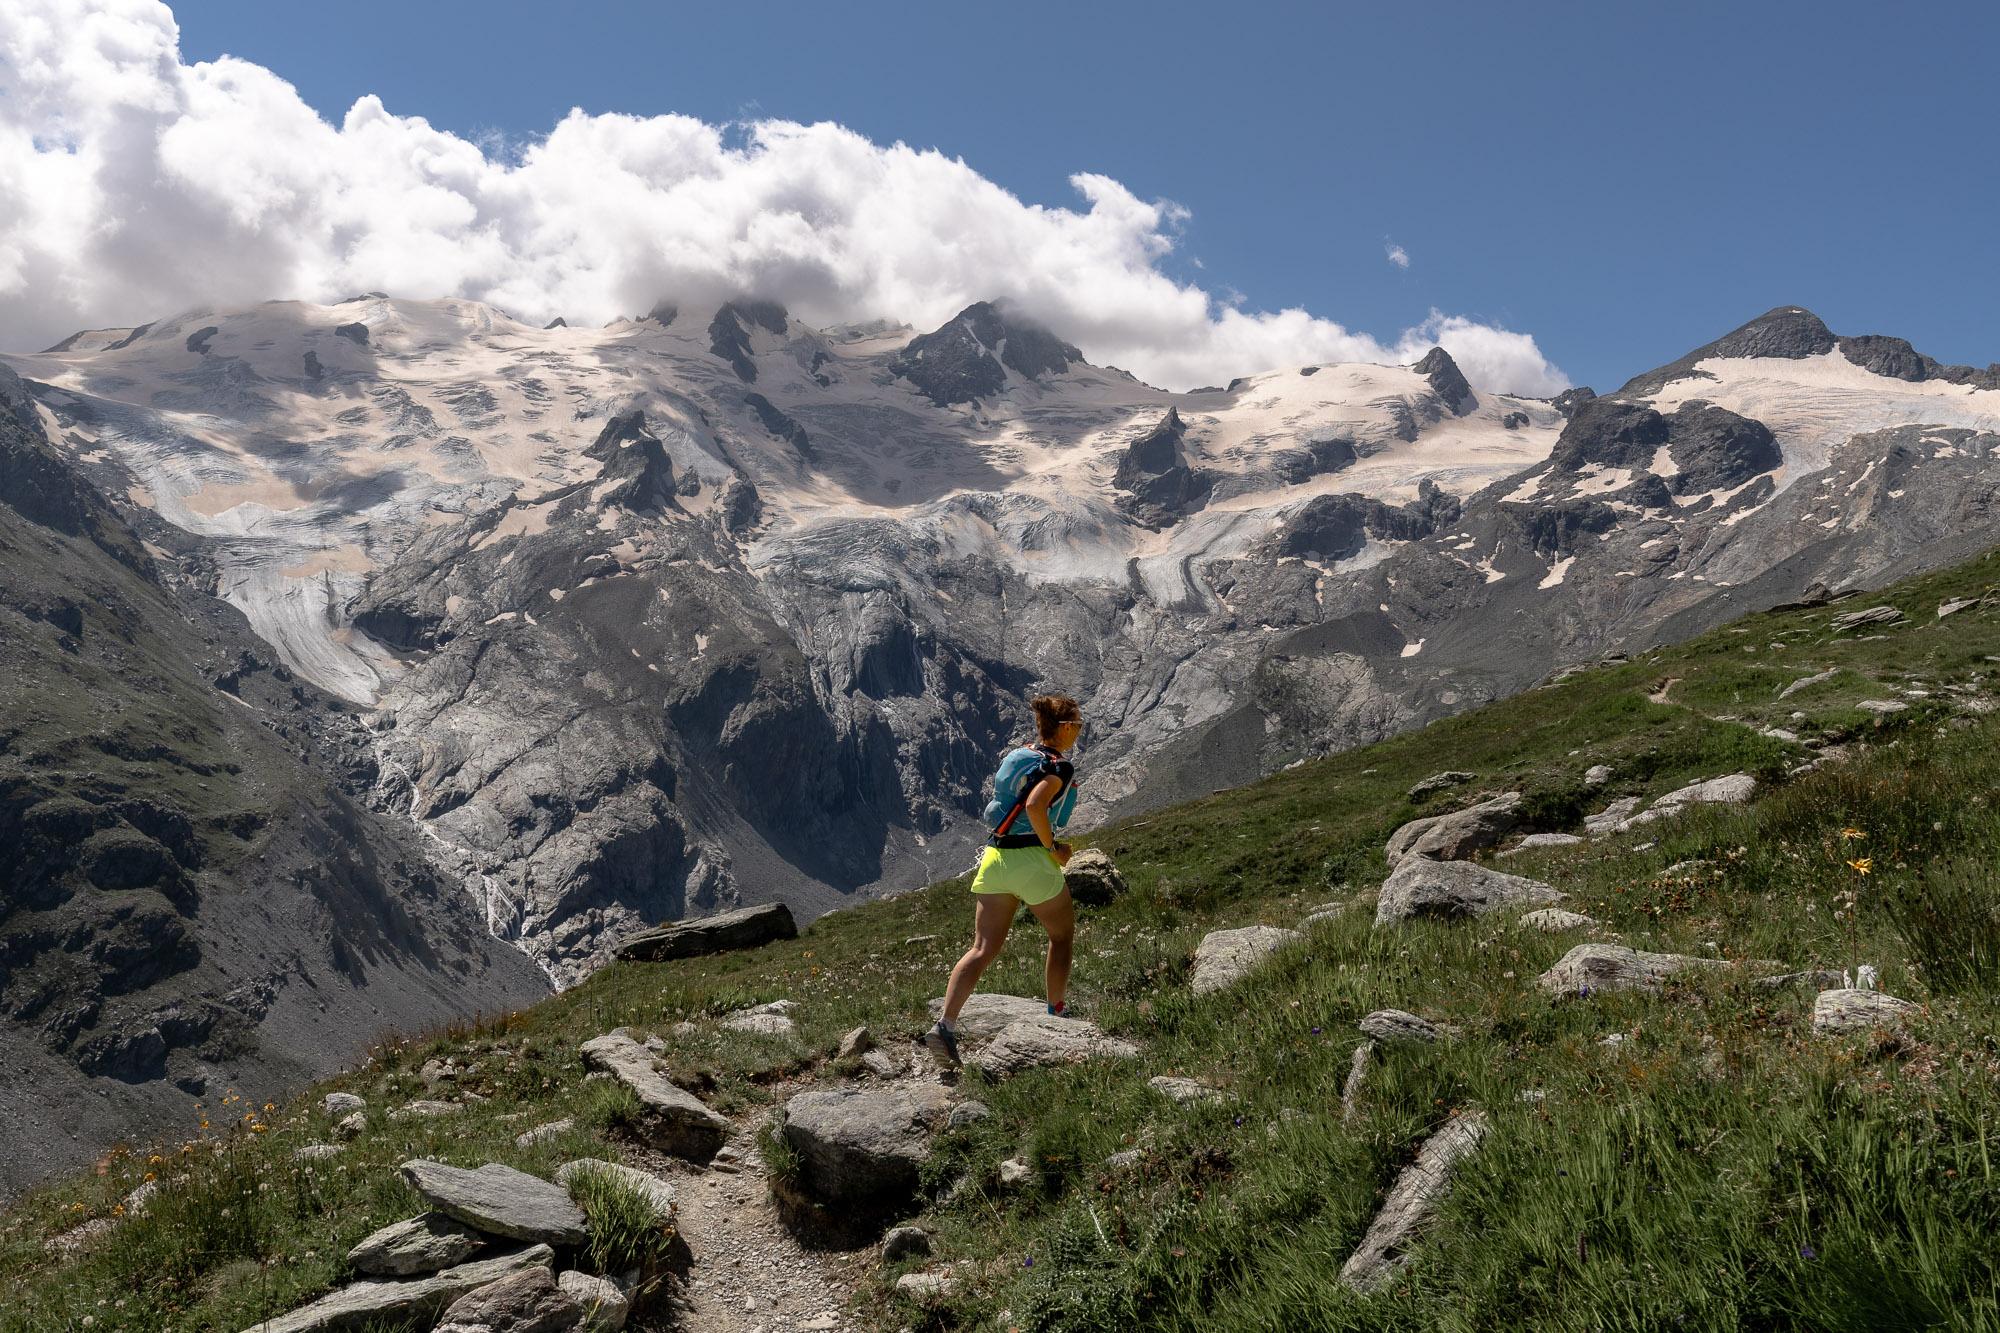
(1058, 917)
(992, 914)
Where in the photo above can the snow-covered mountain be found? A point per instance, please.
(709, 606)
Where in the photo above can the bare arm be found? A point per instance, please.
(1039, 800)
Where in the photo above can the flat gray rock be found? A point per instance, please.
(1184, 1091)
(1420, 887)
(862, 1148)
(1882, 707)
(1731, 790)
(1413, 1200)
(985, 1014)
(424, 1109)
(1807, 682)
(337, 1104)
(1850, 1010)
(656, 1192)
(745, 928)
(1225, 957)
(1459, 834)
(1045, 1040)
(423, 1244)
(677, 1121)
(529, 1301)
(1534, 840)
(422, 1298)
(528, 1138)
(1874, 615)
(1393, 1025)
(499, 1201)
(1589, 968)
(1437, 782)
(1611, 816)
(765, 1020)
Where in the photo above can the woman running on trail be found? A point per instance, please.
(1033, 795)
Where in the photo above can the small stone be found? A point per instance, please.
(318, 1152)
(341, 1103)
(1953, 605)
(1597, 775)
(881, 1064)
(1534, 840)
(604, 1304)
(541, 1133)
(856, 1043)
(967, 1113)
(352, 1125)
(904, 1242)
(1882, 707)
(1015, 1171)
(437, 1071)
(1553, 919)
(922, 1286)
(425, 1110)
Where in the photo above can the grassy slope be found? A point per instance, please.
(1721, 1168)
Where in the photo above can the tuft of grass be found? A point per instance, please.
(1947, 914)
(625, 1233)
(608, 1107)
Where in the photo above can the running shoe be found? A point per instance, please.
(942, 1044)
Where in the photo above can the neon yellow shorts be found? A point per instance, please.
(1029, 873)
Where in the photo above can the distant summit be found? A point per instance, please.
(968, 357)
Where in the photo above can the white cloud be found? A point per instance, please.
(1398, 255)
(134, 185)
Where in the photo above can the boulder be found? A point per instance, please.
(1597, 775)
(745, 928)
(1421, 887)
(1412, 1201)
(905, 1242)
(856, 1043)
(677, 1120)
(984, 1015)
(1732, 790)
(658, 1193)
(1611, 816)
(1604, 967)
(337, 1104)
(1388, 1026)
(967, 1113)
(1093, 879)
(529, 1301)
(414, 1299)
(1849, 1010)
(1184, 1091)
(1456, 836)
(1045, 1040)
(499, 1201)
(1874, 615)
(528, 1138)
(604, 1303)
(418, 1245)
(862, 1148)
(1438, 782)
(1553, 919)
(352, 1125)
(1225, 957)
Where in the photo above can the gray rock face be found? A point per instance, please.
(360, 1303)
(1093, 880)
(605, 1306)
(1154, 472)
(337, 1104)
(1225, 957)
(499, 1201)
(419, 1245)
(526, 1302)
(1438, 782)
(862, 1149)
(1045, 1040)
(1874, 615)
(985, 1013)
(1412, 1201)
(1459, 834)
(1389, 1026)
(745, 928)
(957, 362)
(1420, 887)
(1850, 1010)
(657, 1193)
(1590, 968)
(1611, 816)
(677, 1120)
(1448, 382)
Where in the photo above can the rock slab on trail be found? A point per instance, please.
(499, 1201)
(1606, 967)
(1421, 887)
(862, 1147)
(745, 928)
(1045, 1040)
(1411, 1203)
(984, 1014)
(1225, 957)
(361, 1303)
(679, 1121)
(525, 1302)
(417, 1245)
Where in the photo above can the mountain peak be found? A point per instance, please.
(1447, 380)
(968, 356)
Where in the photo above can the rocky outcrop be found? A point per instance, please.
(419, 1245)
(529, 1301)
(731, 331)
(1589, 969)
(987, 1013)
(676, 1120)
(499, 1201)
(861, 1150)
(1225, 957)
(968, 357)
(1448, 382)
(744, 928)
(1448, 890)
(362, 1304)
(1458, 835)
(1154, 472)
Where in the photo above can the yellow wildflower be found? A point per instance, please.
(1852, 835)
(1862, 865)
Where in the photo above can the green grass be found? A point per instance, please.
(1721, 1168)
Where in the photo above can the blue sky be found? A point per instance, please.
(1621, 181)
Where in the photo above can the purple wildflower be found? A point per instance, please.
(1806, 1251)
(1028, 1262)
